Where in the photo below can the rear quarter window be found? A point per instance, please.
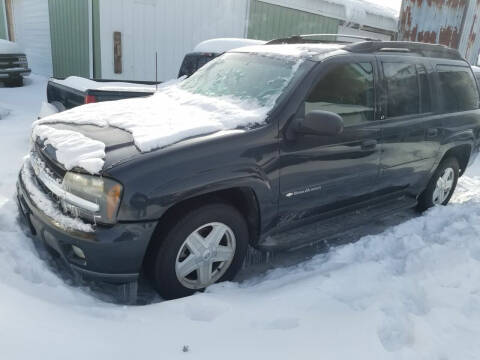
(459, 88)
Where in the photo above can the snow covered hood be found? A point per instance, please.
(8, 47)
(167, 117)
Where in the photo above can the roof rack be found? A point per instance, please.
(313, 38)
(424, 49)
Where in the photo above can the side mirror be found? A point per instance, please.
(319, 122)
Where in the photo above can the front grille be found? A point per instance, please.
(12, 61)
(51, 172)
(45, 153)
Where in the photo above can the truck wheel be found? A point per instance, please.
(441, 186)
(15, 82)
(205, 246)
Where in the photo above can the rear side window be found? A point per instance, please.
(459, 88)
(348, 90)
(194, 61)
(403, 94)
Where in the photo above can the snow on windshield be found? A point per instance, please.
(218, 97)
(248, 77)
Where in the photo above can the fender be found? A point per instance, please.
(157, 181)
(181, 189)
(453, 140)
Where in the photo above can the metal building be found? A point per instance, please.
(89, 37)
(455, 23)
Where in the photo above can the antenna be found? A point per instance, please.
(156, 71)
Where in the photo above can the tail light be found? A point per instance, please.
(90, 99)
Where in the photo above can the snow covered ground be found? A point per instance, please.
(410, 292)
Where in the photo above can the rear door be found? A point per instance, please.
(410, 126)
(323, 173)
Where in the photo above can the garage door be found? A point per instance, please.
(32, 32)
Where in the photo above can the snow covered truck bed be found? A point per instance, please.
(64, 94)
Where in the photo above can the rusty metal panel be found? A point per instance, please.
(432, 21)
(470, 40)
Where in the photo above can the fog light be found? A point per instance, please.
(78, 252)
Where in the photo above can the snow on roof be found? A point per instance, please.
(8, 47)
(305, 51)
(380, 14)
(356, 9)
(83, 84)
(222, 45)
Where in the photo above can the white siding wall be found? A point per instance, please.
(32, 32)
(170, 27)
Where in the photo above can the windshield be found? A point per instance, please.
(243, 76)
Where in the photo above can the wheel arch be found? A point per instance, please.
(462, 153)
(243, 198)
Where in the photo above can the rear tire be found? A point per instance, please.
(441, 186)
(187, 257)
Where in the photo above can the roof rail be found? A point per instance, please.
(424, 49)
(310, 38)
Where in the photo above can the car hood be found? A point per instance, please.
(93, 136)
(119, 144)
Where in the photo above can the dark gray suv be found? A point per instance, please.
(360, 130)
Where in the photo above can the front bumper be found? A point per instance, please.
(112, 254)
(12, 73)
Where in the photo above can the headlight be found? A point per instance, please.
(22, 61)
(93, 197)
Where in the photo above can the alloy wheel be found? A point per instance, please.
(205, 255)
(443, 186)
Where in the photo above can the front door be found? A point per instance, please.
(322, 173)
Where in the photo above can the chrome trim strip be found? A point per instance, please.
(58, 190)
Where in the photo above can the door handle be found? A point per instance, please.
(431, 133)
(369, 144)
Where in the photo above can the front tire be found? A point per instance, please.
(205, 246)
(14, 82)
(441, 186)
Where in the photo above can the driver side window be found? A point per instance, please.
(348, 90)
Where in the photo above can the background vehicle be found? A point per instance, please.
(74, 91)
(13, 64)
(361, 131)
(64, 94)
(209, 49)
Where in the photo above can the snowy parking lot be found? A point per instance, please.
(411, 291)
